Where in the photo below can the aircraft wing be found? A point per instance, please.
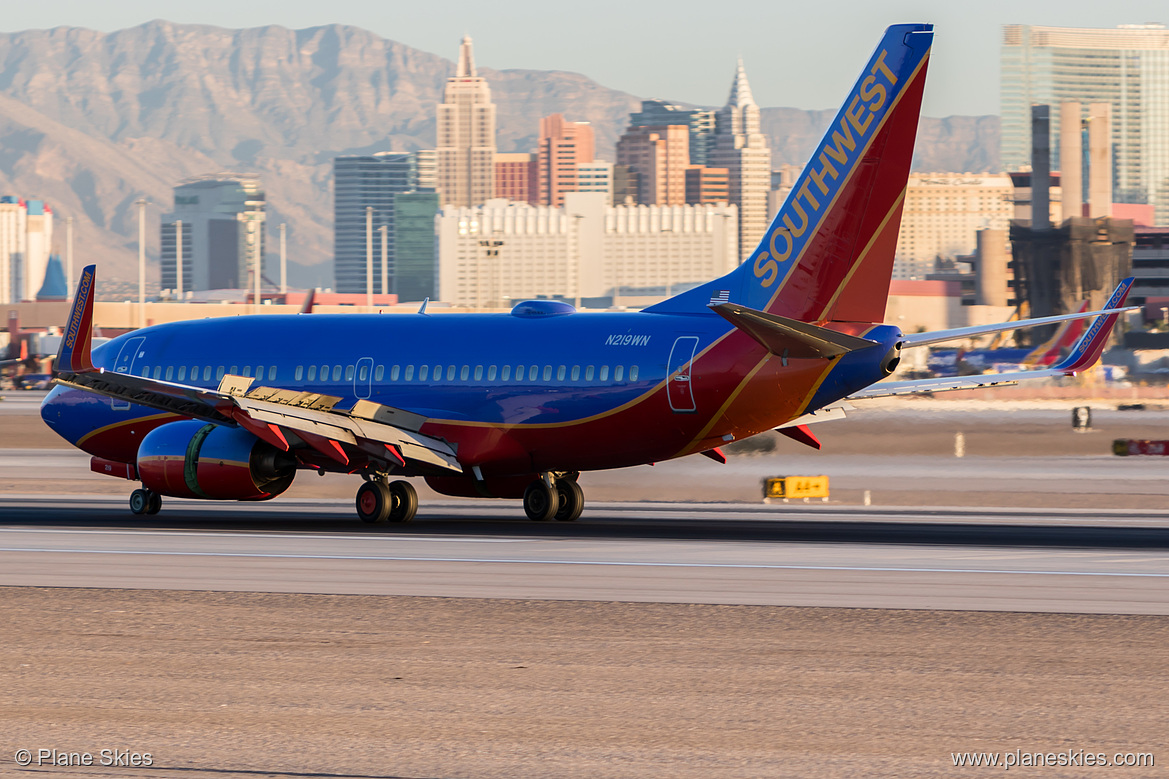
(287, 419)
(1083, 356)
(1115, 305)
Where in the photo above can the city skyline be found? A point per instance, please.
(682, 73)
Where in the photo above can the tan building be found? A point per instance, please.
(706, 185)
(742, 148)
(563, 145)
(465, 153)
(943, 214)
(659, 156)
(494, 255)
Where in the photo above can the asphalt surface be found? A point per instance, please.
(1064, 561)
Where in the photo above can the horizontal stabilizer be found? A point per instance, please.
(789, 337)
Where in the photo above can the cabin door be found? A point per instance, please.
(130, 354)
(679, 387)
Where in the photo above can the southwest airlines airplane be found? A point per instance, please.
(517, 405)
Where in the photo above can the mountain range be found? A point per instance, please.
(91, 121)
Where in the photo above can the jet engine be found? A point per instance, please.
(194, 459)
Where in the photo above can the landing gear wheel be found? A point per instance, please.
(153, 503)
(405, 501)
(540, 503)
(571, 501)
(140, 501)
(374, 502)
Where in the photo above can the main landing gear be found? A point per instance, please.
(379, 502)
(552, 497)
(143, 501)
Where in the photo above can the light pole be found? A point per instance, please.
(369, 257)
(579, 260)
(178, 259)
(256, 260)
(141, 203)
(385, 261)
(68, 257)
(283, 259)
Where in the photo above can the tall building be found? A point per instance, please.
(741, 148)
(562, 146)
(658, 113)
(659, 156)
(503, 252)
(1126, 67)
(414, 239)
(13, 248)
(372, 181)
(465, 152)
(223, 220)
(516, 177)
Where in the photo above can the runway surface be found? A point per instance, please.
(1010, 560)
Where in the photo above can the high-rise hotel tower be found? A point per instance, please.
(466, 136)
(1126, 67)
(741, 148)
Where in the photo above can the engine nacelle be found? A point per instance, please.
(198, 460)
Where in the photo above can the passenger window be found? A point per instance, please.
(633, 373)
(464, 372)
(207, 373)
(379, 373)
(182, 372)
(324, 373)
(219, 373)
(409, 372)
(506, 376)
(299, 374)
(438, 373)
(576, 373)
(395, 372)
(423, 372)
(560, 372)
(478, 373)
(271, 373)
(619, 373)
(247, 372)
(145, 371)
(604, 373)
(547, 373)
(232, 370)
(157, 371)
(336, 373)
(170, 372)
(491, 373)
(312, 373)
(532, 372)
(363, 374)
(348, 373)
(450, 373)
(589, 373)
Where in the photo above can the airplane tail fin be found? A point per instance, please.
(309, 301)
(74, 356)
(1065, 335)
(828, 255)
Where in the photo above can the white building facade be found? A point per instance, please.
(502, 252)
(943, 214)
(26, 240)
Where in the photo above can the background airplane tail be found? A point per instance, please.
(828, 255)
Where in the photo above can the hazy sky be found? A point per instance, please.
(803, 54)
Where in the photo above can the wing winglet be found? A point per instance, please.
(1091, 344)
(74, 354)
